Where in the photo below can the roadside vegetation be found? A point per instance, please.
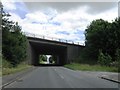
(14, 46)
(88, 67)
(102, 47)
(9, 69)
(42, 59)
(0, 60)
(101, 52)
(14, 43)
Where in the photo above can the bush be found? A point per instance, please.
(104, 59)
(117, 59)
(14, 42)
(108, 59)
(101, 58)
(6, 64)
(114, 63)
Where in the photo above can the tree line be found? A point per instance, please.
(14, 43)
(102, 42)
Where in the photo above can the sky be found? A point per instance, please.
(64, 20)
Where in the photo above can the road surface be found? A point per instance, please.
(60, 77)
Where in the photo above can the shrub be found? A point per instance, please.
(108, 59)
(104, 59)
(117, 59)
(101, 58)
(6, 64)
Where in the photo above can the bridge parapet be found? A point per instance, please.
(50, 38)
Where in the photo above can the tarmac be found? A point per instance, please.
(111, 76)
(8, 79)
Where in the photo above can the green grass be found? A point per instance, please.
(87, 67)
(8, 69)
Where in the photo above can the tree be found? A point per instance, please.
(14, 43)
(101, 58)
(102, 35)
(43, 58)
(104, 59)
(114, 35)
(117, 59)
(96, 37)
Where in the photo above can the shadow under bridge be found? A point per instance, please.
(39, 47)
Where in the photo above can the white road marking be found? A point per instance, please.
(60, 75)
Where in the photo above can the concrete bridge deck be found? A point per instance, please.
(66, 52)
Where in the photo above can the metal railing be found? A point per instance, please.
(50, 38)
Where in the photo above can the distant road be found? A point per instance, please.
(60, 77)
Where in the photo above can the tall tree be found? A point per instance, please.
(95, 37)
(14, 42)
(102, 35)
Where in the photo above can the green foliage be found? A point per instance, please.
(117, 54)
(102, 35)
(95, 37)
(108, 59)
(101, 58)
(87, 67)
(117, 59)
(104, 59)
(84, 59)
(43, 58)
(10, 70)
(14, 43)
(6, 64)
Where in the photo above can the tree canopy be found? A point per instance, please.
(14, 43)
(102, 35)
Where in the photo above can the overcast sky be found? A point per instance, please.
(65, 20)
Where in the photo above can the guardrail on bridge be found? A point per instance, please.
(51, 38)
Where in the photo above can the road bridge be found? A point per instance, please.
(65, 50)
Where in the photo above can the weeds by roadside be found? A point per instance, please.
(20, 67)
(7, 68)
(87, 67)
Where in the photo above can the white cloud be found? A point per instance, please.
(108, 15)
(15, 17)
(36, 17)
(73, 22)
(9, 5)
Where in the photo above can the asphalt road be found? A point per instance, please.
(60, 77)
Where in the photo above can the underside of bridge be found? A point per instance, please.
(40, 48)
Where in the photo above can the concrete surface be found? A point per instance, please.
(112, 77)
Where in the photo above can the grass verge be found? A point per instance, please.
(20, 67)
(87, 67)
